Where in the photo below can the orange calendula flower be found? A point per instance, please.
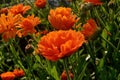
(18, 72)
(60, 44)
(8, 25)
(44, 32)
(62, 18)
(28, 25)
(95, 2)
(7, 76)
(90, 28)
(64, 75)
(40, 3)
(19, 9)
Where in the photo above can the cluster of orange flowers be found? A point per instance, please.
(61, 43)
(13, 23)
(17, 73)
(64, 41)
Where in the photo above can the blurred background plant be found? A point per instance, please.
(97, 59)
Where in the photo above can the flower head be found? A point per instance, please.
(28, 25)
(60, 44)
(8, 25)
(18, 72)
(19, 9)
(40, 3)
(62, 18)
(64, 75)
(89, 28)
(7, 76)
(95, 2)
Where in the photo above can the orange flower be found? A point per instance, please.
(64, 75)
(28, 25)
(18, 72)
(44, 32)
(40, 3)
(89, 28)
(19, 9)
(8, 25)
(95, 2)
(62, 18)
(7, 76)
(59, 44)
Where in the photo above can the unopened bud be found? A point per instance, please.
(29, 48)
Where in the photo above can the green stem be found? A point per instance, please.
(65, 60)
(17, 58)
(91, 51)
(110, 44)
(101, 21)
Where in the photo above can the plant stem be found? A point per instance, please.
(65, 60)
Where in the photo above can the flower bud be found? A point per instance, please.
(64, 75)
